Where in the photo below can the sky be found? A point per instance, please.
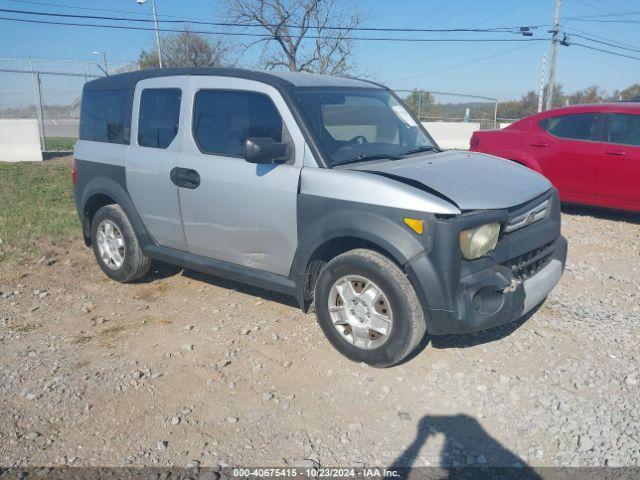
(500, 70)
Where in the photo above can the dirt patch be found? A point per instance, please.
(98, 373)
(151, 293)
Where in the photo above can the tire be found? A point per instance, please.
(397, 300)
(135, 264)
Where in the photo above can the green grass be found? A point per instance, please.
(53, 144)
(36, 203)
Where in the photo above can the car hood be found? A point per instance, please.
(471, 181)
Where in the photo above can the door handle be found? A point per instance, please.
(185, 177)
(539, 144)
(616, 152)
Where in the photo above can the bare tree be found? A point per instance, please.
(187, 49)
(302, 35)
(592, 94)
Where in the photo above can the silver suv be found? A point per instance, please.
(327, 189)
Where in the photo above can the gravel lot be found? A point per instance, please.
(184, 368)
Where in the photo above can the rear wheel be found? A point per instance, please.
(368, 309)
(116, 246)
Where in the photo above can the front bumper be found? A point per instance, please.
(463, 297)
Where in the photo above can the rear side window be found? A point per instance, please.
(159, 117)
(105, 116)
(223, 120)
(580, 126)
(624, 129)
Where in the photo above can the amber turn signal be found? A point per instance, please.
(415, 224)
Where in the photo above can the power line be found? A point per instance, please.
(434, 12)
(267, 36)
(505, 12)
(636, 49)
(515, 30)
(453, 11)
(92, 9)
(595, 20)
(604, 51)
(572, 30)
(594, 7)
(469, 62)
(619, 14)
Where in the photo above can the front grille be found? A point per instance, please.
(530, 263)
(530, 216)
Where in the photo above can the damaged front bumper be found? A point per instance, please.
(461, 296)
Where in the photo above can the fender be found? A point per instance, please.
(322, 220)
(111, 185)
(525, 159)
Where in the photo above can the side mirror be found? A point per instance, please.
(265, 150)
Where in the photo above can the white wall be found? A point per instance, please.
(505, 124)
(19, 141)
(452, 134)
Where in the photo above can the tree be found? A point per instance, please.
(187, 49)
(559, 98)
(301, 35)
(592, 94)
(416, 105)
(630, 92)
(527, 105)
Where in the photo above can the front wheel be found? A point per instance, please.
(368, 309)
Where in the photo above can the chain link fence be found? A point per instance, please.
(46, 90)
(433, 106)
(50, 91)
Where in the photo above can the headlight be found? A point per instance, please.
(479, 241)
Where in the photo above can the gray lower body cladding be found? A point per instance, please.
(458, 296)
(97, 181)
(461, 296)
(93, 179)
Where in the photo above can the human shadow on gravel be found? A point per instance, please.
(469, 451)
(602, 213)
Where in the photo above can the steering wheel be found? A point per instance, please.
(360, 139)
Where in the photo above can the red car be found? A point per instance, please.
(591, 153)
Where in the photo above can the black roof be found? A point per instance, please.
(276, 79)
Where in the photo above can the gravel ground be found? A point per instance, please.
(184, 368)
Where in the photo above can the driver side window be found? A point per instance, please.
(224, 119)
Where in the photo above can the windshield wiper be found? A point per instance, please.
(364, 158)
(422, 148)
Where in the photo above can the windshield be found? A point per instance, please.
(357, 124)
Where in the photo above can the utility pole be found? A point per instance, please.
(105, 69)
(541, 87)
(104, 60)
(155, 23)
(37, 86)
(554, 53)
